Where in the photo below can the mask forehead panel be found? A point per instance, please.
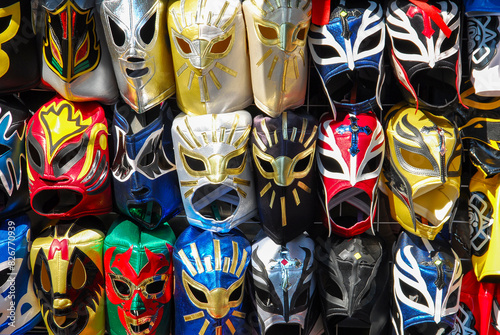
(136, 37)
(66, 261)
(214, 170)
(283, 151)
(350, 153)
(283, 281)
(68, 161)
(277, 32)
(425, 44)
(208, 41)
(143, 165)
(421, 173)
(74, 61)
(210, 281)
(138, 274)
(427, 281)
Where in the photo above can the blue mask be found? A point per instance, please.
(18, 302)
(210, 282)
(144, 175)
(427, 280)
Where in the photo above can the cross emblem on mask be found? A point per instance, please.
(428, 13)
(285, 264)
(354, 129)
(344, 14)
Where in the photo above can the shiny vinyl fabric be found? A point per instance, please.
(427, 279)
(66, 261)
(75, 61)
(480, 7)
(14, 194)
(348, 55)
(422, 171)
(145, 181)
(136, 35)
(277, 32)
(425, 50)
(283, 151)
(210, 280)
(18, 302)
(68, 160)
(19, 59)
(138, 273)
(284, 284)
(209, 50)
(349, 157)
(214, 169)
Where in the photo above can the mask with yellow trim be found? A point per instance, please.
(136, 37)
(277, 31)
(212, 70)
(421, 172)
(66, 261)
(75, 62)
(283, 154)
(68, 160)
(210, 275)
(214, 169)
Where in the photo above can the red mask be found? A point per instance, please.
(68, 160)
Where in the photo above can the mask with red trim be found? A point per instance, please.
(68, 160)
(425, 54)
(138, 272)
(349, 156)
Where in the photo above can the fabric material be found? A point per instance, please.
(481, 7)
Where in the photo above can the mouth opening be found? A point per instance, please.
(140, 328)
(435, 87)
(149, 213)
(216, 202)
(137, 73)
(63, 321)
(56, 201)
(353, 86)
(285, 328)
(349, 207)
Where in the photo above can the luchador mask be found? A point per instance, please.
(283, 153)
(14, 196)
(425, 38)
(145, 178)
(19, 64)
(284, 284)
(214, 169)
(136, 34)
(478, 7)
(482, 46)
(66, 260)
(484, 225)
(210, 282)
(350, 154)
(68, 162)
(277, 32)
(347, 52)
(19, 307)
(427, 278)
(138, 271)
(421, 173)
(352, 281)
(212, 71)
(75, 62)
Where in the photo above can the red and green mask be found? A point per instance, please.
(138, 271)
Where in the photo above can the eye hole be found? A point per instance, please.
(301, 35)
(267, 32)
(79, 275)
(372, 164)
(155, 287)
(450, 42)
(5, 22)
(325, 51)
(236, 162)
(330, 164)
(183, 45)
(371, 42)
(452, 299)
(412, 293)
(303, 164)
(302, 299)
(221, 46)
(4, 275)
(331, 287)
(266, 166)
(117, 33)
(148, 30)
(195, 164)
(416, 160)
(199, 295)
(263, 296)
(406, 46)
(34, 156)
(121, 287)
(45, 278)
(147, 159)
(236, 294)
(3, 149)
(68, 156)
